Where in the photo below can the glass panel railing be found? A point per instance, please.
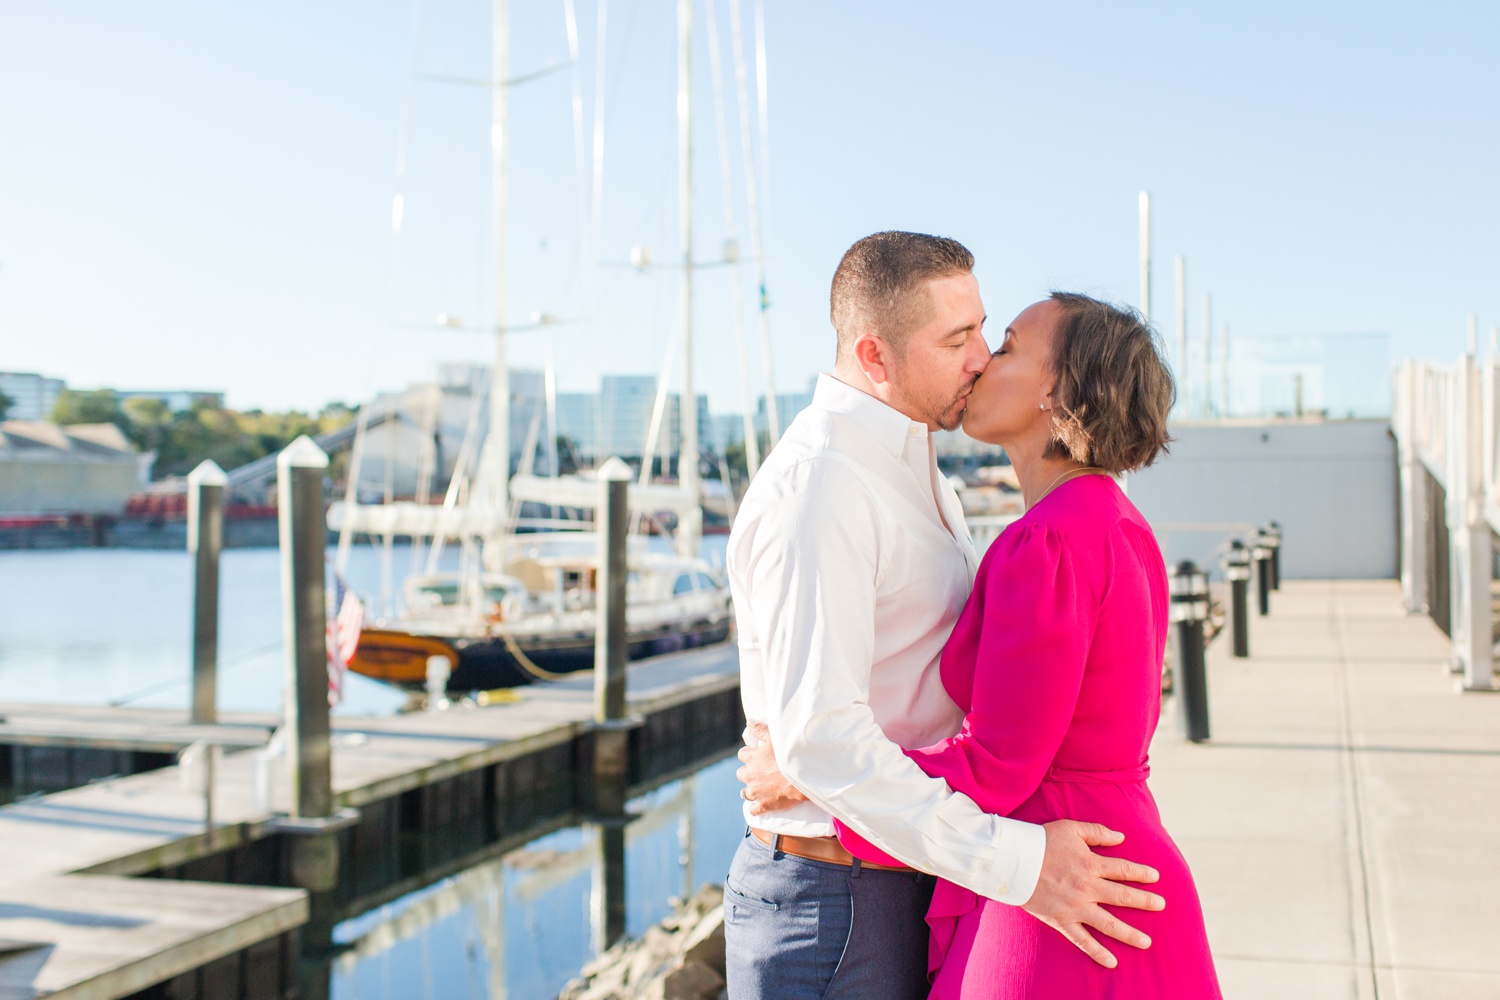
(1339, 376)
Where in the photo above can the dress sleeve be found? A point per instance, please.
(1036, 627)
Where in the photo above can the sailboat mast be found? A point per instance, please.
(690, 530)
(752, 208)
(499, 433)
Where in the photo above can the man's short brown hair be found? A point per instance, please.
(879, 285)
(1114, 389)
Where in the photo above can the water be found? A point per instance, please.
(454, 941)
(94, 626)
(99, 626)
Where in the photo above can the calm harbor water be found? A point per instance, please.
(96, 626)
(99, 626)
(519, 927)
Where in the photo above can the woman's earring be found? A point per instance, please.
(1041, 406)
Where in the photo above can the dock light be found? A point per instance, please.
(1189, 610)
(438, 672)
(1237, 572)
(1189, 590)
(1273, 531)
(1263, 546)
(640, 257)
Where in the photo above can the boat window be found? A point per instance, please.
(446, 593)
(706, 582)
(684, 584)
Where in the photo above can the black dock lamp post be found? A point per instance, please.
(1237, 572)
(1273, 531)
(1189, 610)
(1263, 547)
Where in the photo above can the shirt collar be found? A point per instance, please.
(887, 425)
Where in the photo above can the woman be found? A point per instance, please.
(1056, 658)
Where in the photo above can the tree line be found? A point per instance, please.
(183, 438)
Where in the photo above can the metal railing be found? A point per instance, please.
(1446, 422)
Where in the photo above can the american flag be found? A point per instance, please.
(343, 636)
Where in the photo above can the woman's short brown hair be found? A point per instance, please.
(1114, 389)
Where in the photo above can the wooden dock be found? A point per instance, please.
(422, 772)
(74, 937)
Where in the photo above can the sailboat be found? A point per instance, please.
(521, 606)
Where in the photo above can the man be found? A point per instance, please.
(849, 563)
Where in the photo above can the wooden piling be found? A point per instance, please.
(205, 541)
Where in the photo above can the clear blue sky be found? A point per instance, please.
(199, 194)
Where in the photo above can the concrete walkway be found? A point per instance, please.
(1343, 824)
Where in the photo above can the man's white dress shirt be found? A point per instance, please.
(846, 584)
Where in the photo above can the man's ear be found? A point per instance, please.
(872, 355)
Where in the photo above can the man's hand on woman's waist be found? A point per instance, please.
(1075, 882)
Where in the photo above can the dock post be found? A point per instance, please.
(1189, 611)
(313, 820)
(205, 541)
(1237, 572)
(611, 725)
(1262, 554)
(609, 621)
(300, 470)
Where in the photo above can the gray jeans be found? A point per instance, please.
(796, 929)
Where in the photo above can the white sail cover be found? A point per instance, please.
(406, 518)
(585, 494)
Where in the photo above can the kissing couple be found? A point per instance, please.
(945, 771)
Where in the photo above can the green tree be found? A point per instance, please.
(91, 406)
(147, 423)
(6, 403)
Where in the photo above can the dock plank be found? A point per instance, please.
(143, 822)
(98, 937)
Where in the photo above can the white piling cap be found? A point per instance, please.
(207, 473)
(615, 468)
(302, 453)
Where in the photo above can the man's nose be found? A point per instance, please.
(979, 355)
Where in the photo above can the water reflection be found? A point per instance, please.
(520, 926)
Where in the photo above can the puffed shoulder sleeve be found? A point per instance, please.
(1036, 623)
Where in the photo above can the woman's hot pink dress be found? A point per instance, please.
(1056, 660)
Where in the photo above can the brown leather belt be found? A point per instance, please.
(818, 849)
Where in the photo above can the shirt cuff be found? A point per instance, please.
(1026, 843)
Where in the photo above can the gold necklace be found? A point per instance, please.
(1059, 479)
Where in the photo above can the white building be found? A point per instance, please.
(81, 469)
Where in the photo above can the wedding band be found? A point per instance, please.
(745, 794)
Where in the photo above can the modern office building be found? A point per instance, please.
(788, 405)
(175, 400)
(32, 396)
